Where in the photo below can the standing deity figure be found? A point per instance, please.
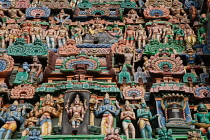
(45, 112)
(78, 32)
(128, 56)
(10, 119)
(26, 31)
(13, 12)
(36, 32)
(167, 33)
(127, 115)
(14, 34)
(76, 111)
(62, 16)
(29, 122)
(145, 116)
(179, 34)
(141, 37)
(155, 32)
(50, 37)
(36, 74)
(202, 118)
(190, 36)
(129, 36)
(146, 65)
(108, 112)
(62, 35)
(3, 36)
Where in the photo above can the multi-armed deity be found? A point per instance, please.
(76, 111)
(145, 116)
(107, 111)
(45, 113)
(10, 118)
(104, 68)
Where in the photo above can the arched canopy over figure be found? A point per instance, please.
(76, 111)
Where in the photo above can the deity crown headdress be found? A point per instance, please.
(107, 96)
(15, 103)
(77, 98)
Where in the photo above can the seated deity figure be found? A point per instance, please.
(145, 116)
(62, 16)
(45, 113)
(29, 122)
(116, 31)
(132, 17)
(96, 28)
(13, 12)
(108, 112)
(76, 111)
(36, 73)
(10, 119)
(202, 118)
(127, 115)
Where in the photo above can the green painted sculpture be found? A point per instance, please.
(202, 118)
(154, 46)
(163, 134)
(145, 116)
(124, 75)
(23, 75)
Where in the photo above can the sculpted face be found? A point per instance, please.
(143, 105)
(127, 108)
(35, 59)
(13, 107)
(106, 101)
(202, 108)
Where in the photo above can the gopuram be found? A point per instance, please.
(105, 70)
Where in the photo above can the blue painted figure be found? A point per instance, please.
(145, 116)
(34, 135)
(107, 111)
(10, 119)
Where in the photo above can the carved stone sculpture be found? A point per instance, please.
(145, 116)
(31, 121)
(45, 113)
(50, 35)
(108, 112)
(127, 115)
(202, 118)
(76, 111)
(62, 35)
(10, 120)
